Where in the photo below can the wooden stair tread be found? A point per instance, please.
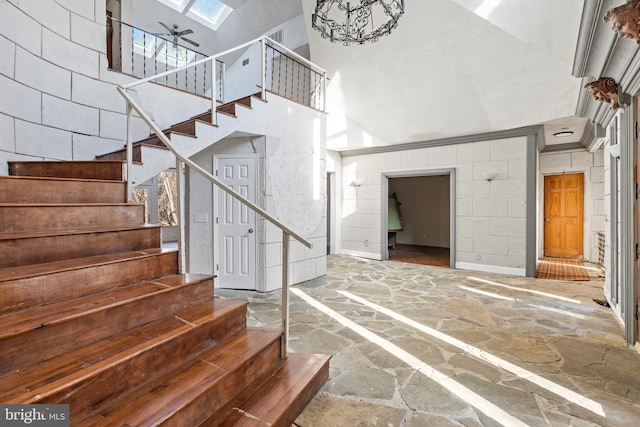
(26, 271)
(169, 396)
(55, 179)
(50, 233)
(281, 398)
(37, 382)
(20, 322)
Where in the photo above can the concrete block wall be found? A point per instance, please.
(489, 220)
(54, 53)
(592, 165)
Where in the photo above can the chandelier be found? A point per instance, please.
(356, 21)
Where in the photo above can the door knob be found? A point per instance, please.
(251, 230)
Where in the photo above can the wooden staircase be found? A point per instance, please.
(185, 128)
(94, 314)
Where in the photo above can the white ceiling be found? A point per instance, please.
(451, 68)
(446, 71)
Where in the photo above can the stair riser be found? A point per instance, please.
(124, 377)
(224, 391)
(136, 153)
(55, 339)
(16, 219)
(49, 288)
(27, 190)
(77, 169)
(16, 252)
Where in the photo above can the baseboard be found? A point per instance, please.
(368, 255)
(491, 269)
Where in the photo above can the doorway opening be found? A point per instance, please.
(419, 218)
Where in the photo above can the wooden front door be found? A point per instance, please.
(563, 215)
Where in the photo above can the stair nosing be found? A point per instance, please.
(61, 179)
(132, 255)
(71, 232)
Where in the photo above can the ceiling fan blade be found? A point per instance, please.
(190, 41)
(164, 25)
(185, 32)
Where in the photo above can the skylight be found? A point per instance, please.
(211, 13)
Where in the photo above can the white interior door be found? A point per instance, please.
(235, 223)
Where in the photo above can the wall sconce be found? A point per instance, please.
(355, 183)
(488, 176)
(614, 150)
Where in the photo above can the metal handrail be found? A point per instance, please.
(287, 233)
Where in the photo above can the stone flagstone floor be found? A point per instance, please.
(478, 353)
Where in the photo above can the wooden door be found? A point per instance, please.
(563, 215)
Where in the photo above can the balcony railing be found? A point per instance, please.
(142, 54)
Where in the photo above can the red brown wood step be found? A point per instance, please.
(189, 397)
(112, 368)
(17, 218)
(20, 189)
(280, 399)
(89, 169)
(30, 336)
(18, 249)
(39, 284)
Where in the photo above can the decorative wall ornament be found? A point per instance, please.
(357, 21)
(625, 20)
(605, 89)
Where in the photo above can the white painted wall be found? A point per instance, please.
(291, 187)
(490, 215)
(592, 165)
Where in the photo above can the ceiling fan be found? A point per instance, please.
(173, 32)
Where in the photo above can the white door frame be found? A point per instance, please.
(452, 207)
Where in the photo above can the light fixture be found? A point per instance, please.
(563, 133)
(355, 183)
(488, 176)
(358, 21)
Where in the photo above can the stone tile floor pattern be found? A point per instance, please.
(572, 342)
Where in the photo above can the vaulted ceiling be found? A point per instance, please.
(451, 68)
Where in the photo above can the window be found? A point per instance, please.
(211, 13)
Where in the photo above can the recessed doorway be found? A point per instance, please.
(419, 225)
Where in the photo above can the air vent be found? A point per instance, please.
(278, 36)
